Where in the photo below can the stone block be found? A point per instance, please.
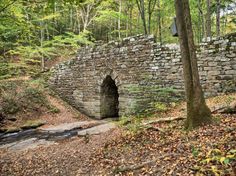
(212, 63)
(230, 72)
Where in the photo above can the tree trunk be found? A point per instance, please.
(208, 19)
(202, 18)
(197, 111)
(151, 7)
(149, 16)
(218, 18)
(225, 24)
(78, 21)
(127, 23)
(131, 20)
(120, 8)
(47, 31)
(41, 44)
(200, 21)
(71, 18)
(55, 25)
(141, 9)
(143, 16)
(159, 21)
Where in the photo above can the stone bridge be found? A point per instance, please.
(124, 77)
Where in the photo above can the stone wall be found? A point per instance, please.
(141, 69)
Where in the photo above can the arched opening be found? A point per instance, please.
(109, 98)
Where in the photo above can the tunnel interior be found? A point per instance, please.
(109, 98)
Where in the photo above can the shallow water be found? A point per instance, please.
(39, 134)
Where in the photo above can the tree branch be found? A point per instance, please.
(168, 119)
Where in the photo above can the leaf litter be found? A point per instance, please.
(208, 150)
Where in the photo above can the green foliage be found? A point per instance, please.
(32, 54)
(31, 32)
(28, 23)
(3, 68)
(216, 156)
(69, 40)
(214, 161)
(10, 69)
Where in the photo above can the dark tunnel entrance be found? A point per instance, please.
(109, 98)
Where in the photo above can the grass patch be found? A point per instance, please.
(54, 110)
(133, 124)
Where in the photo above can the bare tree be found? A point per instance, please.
(197, 111)
(88, 12)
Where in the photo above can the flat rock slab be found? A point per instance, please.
(27, 144)
(97, 129)
(78, 128)
(69, 126)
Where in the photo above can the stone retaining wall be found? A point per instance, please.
(142, 70)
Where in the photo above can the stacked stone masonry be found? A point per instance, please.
(139, 67)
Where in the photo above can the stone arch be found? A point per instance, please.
(109, 98)
(104, 73)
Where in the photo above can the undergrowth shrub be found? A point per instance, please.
(32, 99)
(21, 97)
(10, 68)
(9, 105)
